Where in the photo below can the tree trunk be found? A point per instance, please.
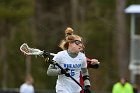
(28, 65)
(121, 38)
(4, 40)
(4, 61)
(74, 12)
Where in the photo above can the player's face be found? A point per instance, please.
(76, 46)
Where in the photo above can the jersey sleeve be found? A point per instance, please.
(54, 70)
(84, 63)
(57, 57)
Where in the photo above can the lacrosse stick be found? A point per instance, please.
(33, 51)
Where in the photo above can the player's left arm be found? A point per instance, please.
(85, 76)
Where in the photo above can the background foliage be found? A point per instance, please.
(41, 24)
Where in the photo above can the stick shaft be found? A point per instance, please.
(70, 76)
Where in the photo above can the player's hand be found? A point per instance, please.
(45, 54)
(66, 72)
(94, 61)
(87, 89)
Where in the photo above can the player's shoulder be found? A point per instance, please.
(82, 54)
(61, 52)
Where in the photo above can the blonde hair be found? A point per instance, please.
(69, 36)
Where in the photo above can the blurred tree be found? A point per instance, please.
(11, 13)
(41, 24)
(74, 13)
(121, 39)
(99, 26)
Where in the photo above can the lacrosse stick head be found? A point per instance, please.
(30, 51)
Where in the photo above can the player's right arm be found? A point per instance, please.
(53, 70)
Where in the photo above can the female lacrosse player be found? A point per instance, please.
(72, 60)
(91, 63)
